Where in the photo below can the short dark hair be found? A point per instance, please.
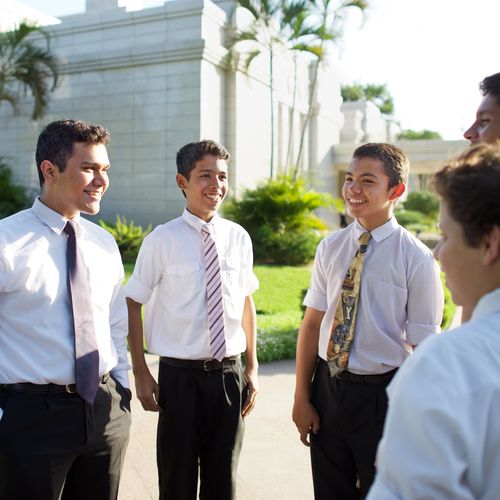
(56, 141)
(191, 153)
(396, 163)
(470, 186)
(491, 86)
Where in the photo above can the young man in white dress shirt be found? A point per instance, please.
(201, 400)
(400, 304)
(486, 127)
(442, 432)
(54, 443)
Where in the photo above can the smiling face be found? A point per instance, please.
(486, 127)
(206, 187)
(81, 185)
(367, 194)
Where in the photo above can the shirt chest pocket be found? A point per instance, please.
(184, 279)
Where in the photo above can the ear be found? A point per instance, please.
(491, 246)
(49, 171)
(181, 181)
(397, 191)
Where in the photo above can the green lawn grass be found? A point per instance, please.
(277, 301)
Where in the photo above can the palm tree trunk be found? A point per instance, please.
(271, 88)
(292, 117)
(312, 95)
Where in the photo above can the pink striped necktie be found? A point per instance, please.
(214, 295)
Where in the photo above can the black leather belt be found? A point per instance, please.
(47, 388)
(381, 379)
(207, 365)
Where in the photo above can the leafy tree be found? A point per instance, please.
(12, 196)
(378, 94)
(327, 18)
(417, 135)
(25, 66)
(278, 215)
(276, 23)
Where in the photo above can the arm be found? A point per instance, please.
(425, 302)
(118, 330)
(249, 324)
(303, 414)
(146, 387)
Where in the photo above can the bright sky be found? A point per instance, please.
(432, 54)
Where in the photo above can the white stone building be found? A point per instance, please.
(157, 78)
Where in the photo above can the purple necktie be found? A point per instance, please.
(86, 353)
(214, 295)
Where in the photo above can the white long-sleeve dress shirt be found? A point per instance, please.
(442, 432)
(169, 278)
(36, 329)
(401, 296)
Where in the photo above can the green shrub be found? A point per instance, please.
(12, 196)
(449, 307)
(128, 236)
(278, 215)
(424, 202)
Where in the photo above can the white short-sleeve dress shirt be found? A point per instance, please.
(169, 278)
(36, 329)
(442, 432)
(401, 299)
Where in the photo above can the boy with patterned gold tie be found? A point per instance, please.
(375, 293)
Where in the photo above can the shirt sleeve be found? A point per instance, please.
(118, 320)
(251, 281)
(425, 301)
(147, 271)
(423, 452)
(316, 296)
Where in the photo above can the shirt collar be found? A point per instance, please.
(197, 223)
(51, 218)
(379, 233)
(488, 304)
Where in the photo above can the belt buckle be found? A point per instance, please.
(70, 388)
(210, 365)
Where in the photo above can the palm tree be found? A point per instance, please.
(328, 16)
(270, 29)
(25, 66)
(378, 94)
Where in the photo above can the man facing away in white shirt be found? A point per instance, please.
(442, 432)
(203, 393)
(400, 304)
(54, 441)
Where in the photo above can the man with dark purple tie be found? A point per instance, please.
(64, 397)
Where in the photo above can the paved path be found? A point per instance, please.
(273, 463)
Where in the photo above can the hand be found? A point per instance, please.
(253, 389)
(147, 390)
(306, 419)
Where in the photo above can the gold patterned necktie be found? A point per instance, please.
(344, 323)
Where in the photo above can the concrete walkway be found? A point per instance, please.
(273, 463)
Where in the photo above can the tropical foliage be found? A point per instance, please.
(417, 135)
(12, 196)
(278, 215)
(25, 66)
(294, 25)
(378, 94)
(128, 236)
